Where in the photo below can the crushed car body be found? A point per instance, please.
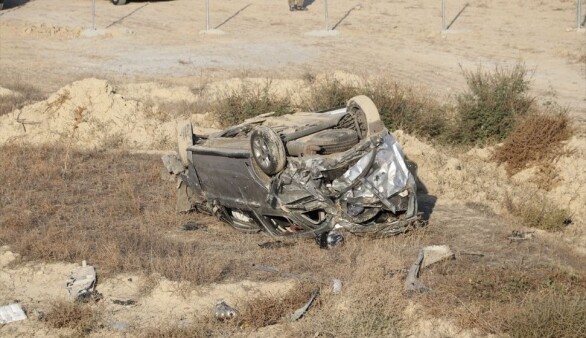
(303, 174)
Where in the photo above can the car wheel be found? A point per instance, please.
(184, 140)
(366, 115)
(268, 150)
(119, 2)
(334, 141)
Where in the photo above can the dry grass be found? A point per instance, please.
(527, 300)
(248, 100)
(82, 318)
(113, 210)
(24, 94)
(538, 212)
(267, 310)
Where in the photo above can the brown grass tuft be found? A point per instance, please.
(80, 317)
(269, 310)
(537, 140)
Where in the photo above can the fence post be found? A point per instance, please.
(326, 15)
(207, 15)
(443, 15)
(94, 14)
(578, 14)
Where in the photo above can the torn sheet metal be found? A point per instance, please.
(11, 313)
(427, 256)
(388, 173)
(302, 310)
(225, 311)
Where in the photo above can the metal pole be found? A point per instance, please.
(207, 15)
(579, 13)
(94, 14)
(443, 15)
(326, 14)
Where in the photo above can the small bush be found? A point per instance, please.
(269, 310)
(24, 94)
(247, 101)
(536, 140)
(80, 317)
(489, 109)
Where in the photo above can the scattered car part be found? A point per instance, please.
(224, 311)
(302, 310)
(330, 240)
(275, 245)
(412, 282)
(302, 174)
(82, 283)
(11, 313)
(192, 226)
(127, 302)
(427, 256)
(520, 235)
(337, 286)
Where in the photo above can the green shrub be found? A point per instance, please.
(489, 109)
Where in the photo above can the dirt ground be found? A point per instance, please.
(151, 53)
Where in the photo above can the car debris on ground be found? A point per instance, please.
(302, 310)
(224, 311)
(275, 245)
(336, 286)
(193, 226)
(11, 313)
(517, 235)
(427, 256)
(82, 284)
(305, 174)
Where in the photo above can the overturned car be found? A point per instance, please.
(303, 174)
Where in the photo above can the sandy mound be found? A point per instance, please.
(6, 92)
(472, 177)
(87, 114)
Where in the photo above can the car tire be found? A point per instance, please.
(334, 141)
(119, 2)
(268, 150)
(366, 115)
(184, 140)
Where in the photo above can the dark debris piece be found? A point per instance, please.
(192, 226)
(86, 297)
(275, 245)
(124, 302)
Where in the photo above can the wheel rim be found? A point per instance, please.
(261, 152)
